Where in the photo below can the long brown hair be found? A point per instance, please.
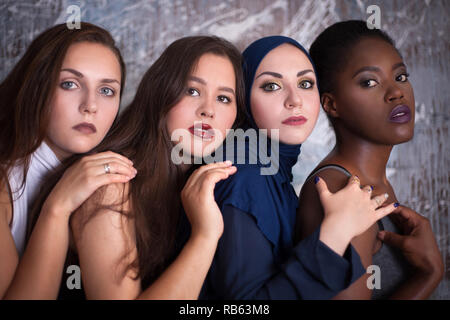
(28, 89)
(142, 136)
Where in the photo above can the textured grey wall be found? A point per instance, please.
(418, 170)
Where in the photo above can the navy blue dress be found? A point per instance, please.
(244, 266)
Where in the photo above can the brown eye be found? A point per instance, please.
(368, 83)
(306, 84)
(403, 77)
(270, 86)
(224, 99)
(192, 92)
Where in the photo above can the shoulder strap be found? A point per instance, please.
(329, 166)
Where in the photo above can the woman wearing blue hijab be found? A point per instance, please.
(255, 258)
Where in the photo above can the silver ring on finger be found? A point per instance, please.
(107, 168)
(378, 201)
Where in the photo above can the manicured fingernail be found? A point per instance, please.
(316, 179)
(396, 204)
(371, 188)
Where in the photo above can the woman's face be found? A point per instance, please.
(284, 94)
(86, 99)
(207, 108)
(373, 96)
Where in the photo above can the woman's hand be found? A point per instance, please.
(349, 212)
(417, 241)
(84, 177)
(419, 247)
(198, 201)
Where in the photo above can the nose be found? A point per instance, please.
(394, 92)
(293, 99)
(206, 109)
(88, 104)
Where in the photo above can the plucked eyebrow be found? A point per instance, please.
(227, 89)
(196, 79)
(376, 69)
(300, 73)
(273, 74)
(277, 75)
(398, 65)
(80, 75)
(203, 82)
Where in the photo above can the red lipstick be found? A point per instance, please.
(203, 130)
(295, 121)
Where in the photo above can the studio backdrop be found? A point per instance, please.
(418, 170)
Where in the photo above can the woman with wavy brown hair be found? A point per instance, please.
(60, 99)
(132, 240)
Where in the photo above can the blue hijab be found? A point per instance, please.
(269, 199)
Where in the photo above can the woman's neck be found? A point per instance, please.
(59, 153)
(365, 158)
(185, 167)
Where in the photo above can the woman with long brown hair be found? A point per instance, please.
(60, 99)
(133, 239)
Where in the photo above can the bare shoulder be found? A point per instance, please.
(364, 243)
(334, 178)
(104, 239)
(310, 212)
(309, 196)
(106, 209)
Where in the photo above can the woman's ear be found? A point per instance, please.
(329, 105)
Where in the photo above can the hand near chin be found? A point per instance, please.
(198, 200)
(349, 212)
(84, 177)
(417, 241)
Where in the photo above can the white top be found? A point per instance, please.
(42, 162)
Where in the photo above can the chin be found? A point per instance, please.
(82, 147)
(292, 139)
(198, 151)
(404, 139)
(402, 136)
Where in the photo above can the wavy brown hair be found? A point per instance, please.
(27, 90)
(142, 136)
